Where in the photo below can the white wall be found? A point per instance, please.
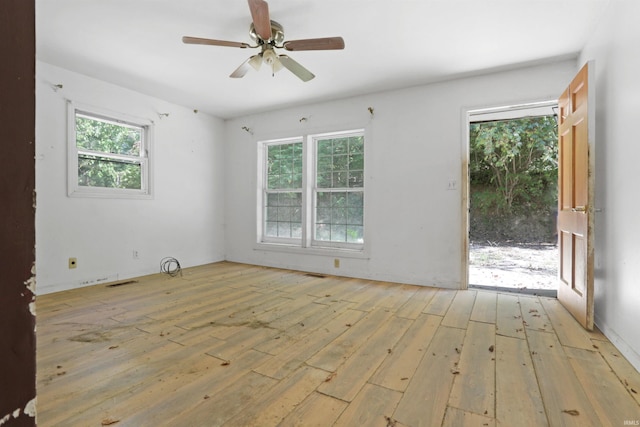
(615, 49)
(183, 220)
(415, 147)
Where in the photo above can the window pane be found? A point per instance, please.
(284, 166)
(323, 199)
(325, 164)
(271, 229)
(354, 216)
(339, 216)
(100, 135)
(356, 179)
(324, 148)
(356, 144)
(355, 199)
(339, 199)
(272, 214)
(323, 216)
(338, 233)
(341, 163)
(340, 146)
(284, 229)
(283, 215)
(356, 162)
(339, 179)
(324, 180)
(354, 234)
(96, 171)
(272, 199)
(323, 232)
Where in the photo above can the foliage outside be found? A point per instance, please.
(108, 154)
(513, 171)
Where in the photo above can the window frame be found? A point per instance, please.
(74, 189)
(308, 242)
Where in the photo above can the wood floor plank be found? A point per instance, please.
(458, 418)
(399, 367)
(347, 380)
(484, 308)
(297, 353)
(569, 331)
(417, 303)
(518, 399)
(460, 310)
(317, 410)
(474, 386)
(315, 316)
(214, 384)
(425, 400)
(534, 315)
(271, 408)
(332, 356)
(565, 400)
(608, 396)
(440, 302)
(621, 367)
(508, 317)
(215, 410)
(373, 406)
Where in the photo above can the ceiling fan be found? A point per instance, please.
(268, 35)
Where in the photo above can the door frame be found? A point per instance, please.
(474, 114)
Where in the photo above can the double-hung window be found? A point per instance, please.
(108, 155)
(313, 191)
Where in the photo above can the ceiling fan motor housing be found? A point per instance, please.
(277, 34)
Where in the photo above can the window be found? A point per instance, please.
(339, 189)
(283, 217)
(108, 155)
(313, 191)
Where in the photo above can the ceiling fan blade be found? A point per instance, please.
(326, 43)
(212, 42)
(260, 17)
(243, 68)
(297, 69)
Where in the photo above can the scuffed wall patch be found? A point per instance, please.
(31, 283)
(30, 408)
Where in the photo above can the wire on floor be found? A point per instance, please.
(170, 266)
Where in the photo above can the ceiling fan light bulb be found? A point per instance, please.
(269, 56)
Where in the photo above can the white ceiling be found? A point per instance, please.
(389, 44)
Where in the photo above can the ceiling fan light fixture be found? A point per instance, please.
(269, 56)
(256, 61)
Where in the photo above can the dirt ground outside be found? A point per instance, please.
(518, 267)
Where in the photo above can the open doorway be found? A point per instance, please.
(513, 171)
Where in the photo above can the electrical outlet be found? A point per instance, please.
(135, 254)
(73, 262)
(336, 263)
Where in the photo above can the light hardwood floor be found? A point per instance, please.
(238, 345)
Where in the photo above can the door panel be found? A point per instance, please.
(575, 199)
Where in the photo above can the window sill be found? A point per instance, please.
(102, 193)
(317, 251)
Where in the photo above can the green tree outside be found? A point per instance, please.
(517, 159)
(96, 140)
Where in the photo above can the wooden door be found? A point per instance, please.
(575, 198)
